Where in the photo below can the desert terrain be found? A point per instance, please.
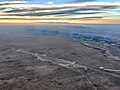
(30, 61)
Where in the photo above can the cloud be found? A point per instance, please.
(12, 2)
(85, 11)
(50, 3)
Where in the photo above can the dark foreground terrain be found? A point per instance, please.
(29, 61)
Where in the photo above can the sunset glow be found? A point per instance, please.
(94, 12)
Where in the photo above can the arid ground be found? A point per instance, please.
(47, 62)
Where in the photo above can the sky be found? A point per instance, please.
(60, 11)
